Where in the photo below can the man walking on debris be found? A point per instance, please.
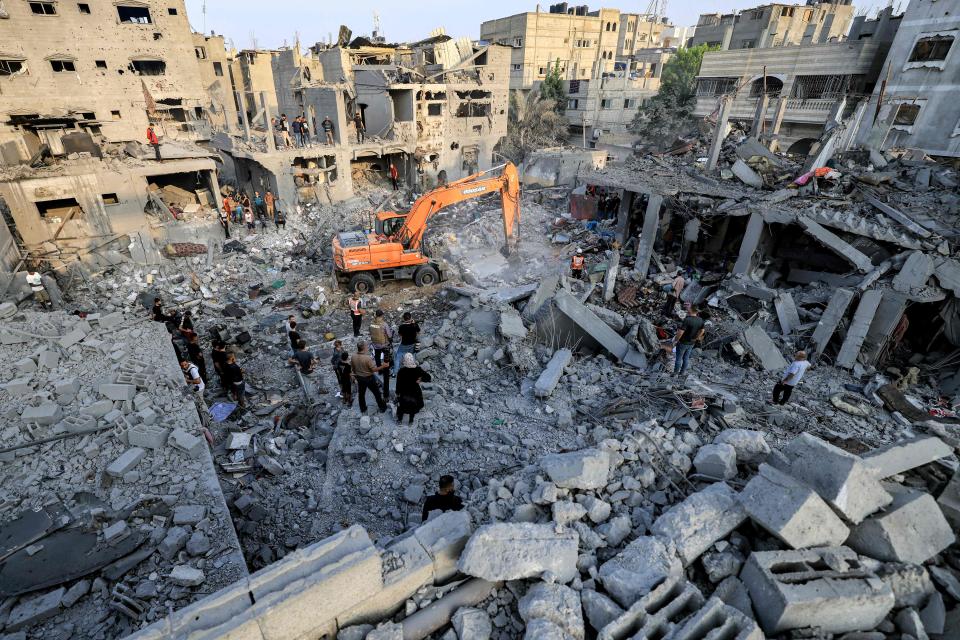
(219, 357)
(195, 353)
(154, 141)
(690, 333)
(192, 375)
(409, 393)
(394, 175)
(356, 313)
(364, 370)
(35, 280)
(224, 217)
(445, 500)
(791, 378)
(293, 334)
(381, 336)
(576, 265)
(303, 357)
(358, 123)
(327, 125)
(673, 296)
(235, 379)
(409, 331)
(344, 377)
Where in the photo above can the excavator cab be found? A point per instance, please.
(389, 223)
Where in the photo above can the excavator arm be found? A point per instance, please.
(475, 186)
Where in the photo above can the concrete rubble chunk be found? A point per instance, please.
(34, 610)
(566, 512)
(916, 270)
(908, 621)
(786, 312)
(717, 461)
(507, 551)
(911, 583)
(791, 511)
(545, 290)
(859, 327)
(949, 501)
(122, 392)
(46, 414)
(551, 374)
(746, 175)
(934, 614)
(472, 624)
(840, 478)
(641, 566)
(127, 461)
(906, 454)
(656, 613)
(542, 629)
(74, 593)
(599, 609)
(836, 244)
(718, 620)
(766, 352)
(828, 588)
(186, 576)
(831, 317)
(188, 443)
(576, 324)
(751, 446)
(386, 631)
(511, 325)
(554, 602)
(116, 532)
(911, 529)
(585, 469)
(700, 520)
(189, 514)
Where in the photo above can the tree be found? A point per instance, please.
(552, 87)
(678, 90)
(532, 123)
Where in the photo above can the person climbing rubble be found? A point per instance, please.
(235, 379)
(356, 312)
(690, 333)
(791, 377)
(365, 370)
(154, 141)
(409, 331)
(409, 393)
(35, 280)
(673, 294)
(344, 373)
(576, 265)
(191, 373)
(444, 500)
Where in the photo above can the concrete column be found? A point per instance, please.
(243, 116)
(651, 220)
(271, 141)
(751, 240)
(760, 116)
(623, 215)
(215, 189)
(778, 112)
(719, 134)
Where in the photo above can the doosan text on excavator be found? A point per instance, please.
(394, 249)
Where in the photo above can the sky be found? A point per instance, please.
(277, 22)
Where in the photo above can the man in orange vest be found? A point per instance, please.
(154, 141)
(356, 313)
(576, 265)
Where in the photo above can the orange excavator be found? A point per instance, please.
(394, 250)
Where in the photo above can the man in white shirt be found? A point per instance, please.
(35, 280)
(676, 288)
(192, 375)
(791, 378)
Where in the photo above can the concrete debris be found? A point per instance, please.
(641, 566)
(555, 603)
(551, 374)
(703, 518)
(514, 551)
(764, 349)
(716, 461)
(903, 455)
(750, 446)
(470, 623)
(911, 529)
(587, 469)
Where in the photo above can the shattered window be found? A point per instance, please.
(906, 114)
(931, 49)
(217, 69)
(62, 66)
(10, 67)
(773, 87)
(149, 67)
(134, 15)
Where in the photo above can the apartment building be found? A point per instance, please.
(919, 108)
(587, 44)
(776, 25)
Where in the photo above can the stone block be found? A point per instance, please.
(906, 454)
(77, 423)
(716, 461)
(30, 612)
(655, 614)
(189, 514)
(444, 537)
(127, 461)
(72, 338)
(147, 416)
(828, 588)
(641, 566)
(751, 446)
(700, 520)
(25, 365)
(121, 392)
(110, 320)
(949, 501)
(98, 409)
(585, 469)
(175, 540)
(116, 532)
(511, 325)
(188, 443)
(19, 386)
(599, 609)
(718, 620)
(554, 602)
(186, 576)
(543, 629)
(471, 624)
(566, 512)
(508, 551)
(551, 374)
(838, 477)
(74, 593)
(791, 511)
(48, 359)
(147, 436)
(911, 529)
(46, 414)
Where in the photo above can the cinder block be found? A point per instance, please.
(718, 620)
(716, 461)
(110, 320)
(656, 613)
(791, 511)
(47, 413)
(35, 610)
(116, 532)
(67, 390)
(838, 477)
(148, 436)
(127, 461)
(828, 588)
(190, 444)
(98, 409)
(147, 416)
(912, 529)
(122, 392)
(19, 386)
(49, 359)
(906, 454)
(551, 374)
(189, 514)
(700, 520)
(72, 338)
(949, 501)
(77, 423)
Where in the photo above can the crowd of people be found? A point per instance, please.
(241, 209)
(295, 133)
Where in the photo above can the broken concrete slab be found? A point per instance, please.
(700, 520)
(717, 619)
(840, 478)
(827, 588)
(610, 277)
(911, 529)
(791, 511)
(763, 348)
(585, 469)
(641, 566)
(904, 455)
(122, 392)
(30, 612)
(127, 461)
(786, 312)
(859, 327)
(896, 215)
(751, 446)
(717, 461)
(949, 501)
(575, 325)
(836, 244)
(546, 288)
(829, 320)
(556, 603)
(914, 273)
(511, 325)
(45, 414)
(746, 175)
(648, 234)
(511, 551)
(599, 609)
(668, 604)
(550, 377)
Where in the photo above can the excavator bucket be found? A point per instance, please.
(510, 195)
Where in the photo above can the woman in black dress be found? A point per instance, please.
(408, 392)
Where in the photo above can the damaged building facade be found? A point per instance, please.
(775, 25)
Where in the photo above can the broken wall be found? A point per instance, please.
(220, 105)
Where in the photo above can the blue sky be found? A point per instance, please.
(278, 21)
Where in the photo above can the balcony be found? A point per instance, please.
(799, 110)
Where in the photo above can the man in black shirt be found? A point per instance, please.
(445, 500)
(690, 333)
(196, 356)
(294, 336)
(219, 357)
(409, 331)
(234, 375)
(304, 358)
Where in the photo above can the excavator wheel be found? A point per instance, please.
(362, 283)
(426, 276)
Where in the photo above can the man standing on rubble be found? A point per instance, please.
(381, 336)
(445, 500)
(676, 288)
(690, 333)
(356, 313)
(153, 140)
(327, 125)
(235, 379)
(224, 217)
(219, 357)
(35, 280)
(297, 132)
(791, 378)
(285, 131)
(358, 123)
(195, 353)
(270, 203)
(394, 175)
(365, 370)
(409, 331)
(576, 265)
